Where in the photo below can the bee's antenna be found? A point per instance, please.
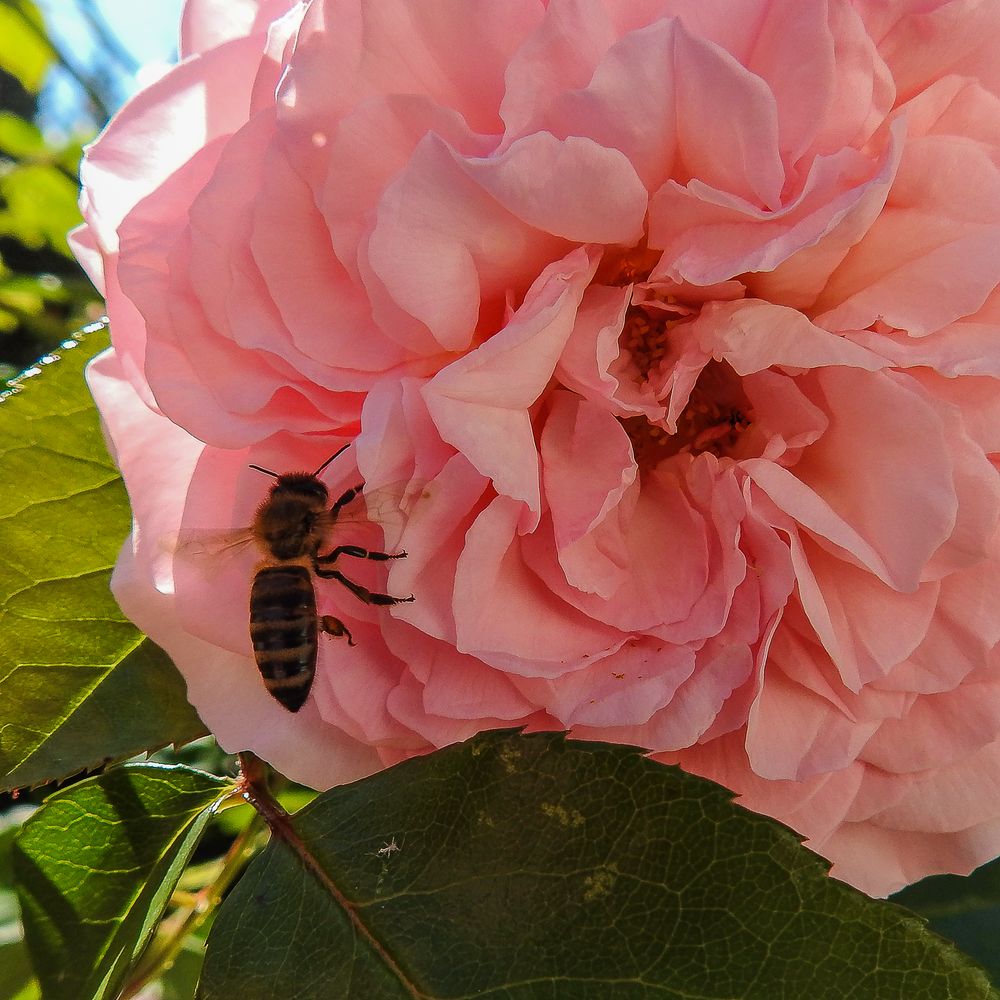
(267, 472)
(330, 459)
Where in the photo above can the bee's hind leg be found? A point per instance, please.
(361, 593)
(358, 553)
(335, 627)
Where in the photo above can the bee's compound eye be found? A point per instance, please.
(319, 491)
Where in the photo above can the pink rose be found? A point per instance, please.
(667, 334)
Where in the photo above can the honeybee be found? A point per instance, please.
(290, 528)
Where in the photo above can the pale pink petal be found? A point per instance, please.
(975, 402)
(353, 685)
(879, 860)
(625, 103)
(710, 235)
(163, 126)
(453, 231)
(618, 692)
(206, 24)
(670, 563)
(785, 420)
(793, 732)
(561, 54)
(752, 335)
(406, 705)
(860, 514)
(832, 88)
(434, 540)
(716, 494)
(727, 123)
(398, 443)
(896, 274)
(592, 346)
(969, 346)
(937, 730)
(326, 315)
(606, 202)
(82, 241)
(480, 402)
(971, 412)
(589, 535)
(928, 41)
(800, 277)
(442, 244)
(814, 806)
(506, 616)
(368, 148)
(952, 797)
(131, 430)
(455, 51)
(457, 686)
(129, 333)
(960, 637)
(721, 668)
(850, 609)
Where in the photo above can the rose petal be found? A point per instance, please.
(480, 402)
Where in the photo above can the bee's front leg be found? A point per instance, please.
(346, 497)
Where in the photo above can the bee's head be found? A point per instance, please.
(302, 486)
(305, 486)
(289, 523)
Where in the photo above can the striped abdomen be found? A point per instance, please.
(283, 631)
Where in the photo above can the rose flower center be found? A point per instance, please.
(651, 345)
(716, 415)
(644, 339)
(717, 410)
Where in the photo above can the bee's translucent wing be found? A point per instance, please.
(386, 508)
(197, 544)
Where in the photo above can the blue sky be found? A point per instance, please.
(147, 29)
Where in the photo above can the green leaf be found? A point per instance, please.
(20, 138)
(79, 685)
(181, 979)
(524, 867)
(40, 206)
(25, 53)
(965, 909)
(17, 978)
(96, 865)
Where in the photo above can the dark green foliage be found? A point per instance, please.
(965, 909)
(95, 869)
(527, 867)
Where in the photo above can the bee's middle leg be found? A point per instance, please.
(362, 593)
(358, 552)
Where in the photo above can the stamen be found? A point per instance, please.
(717, 414)
(626, 265)
(644, 338)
